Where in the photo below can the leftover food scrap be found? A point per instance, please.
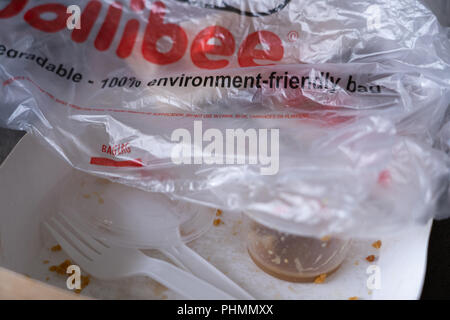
(321, 278)
(61, 269)
(56, 248)
(84, 283)
(377, 244)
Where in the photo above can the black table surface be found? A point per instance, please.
(437, 280)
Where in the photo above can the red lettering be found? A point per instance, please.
(109, 27)
(258, 46)
(128, 39)
(33, 17)
(137, 5)
(200, 47)
(117, 149)
(156, 29)
(248, 52)
(88, 18)
(13, 8)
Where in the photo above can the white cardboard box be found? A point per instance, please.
(29, 180)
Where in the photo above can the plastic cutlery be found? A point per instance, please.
(129, 217)
(104, 262)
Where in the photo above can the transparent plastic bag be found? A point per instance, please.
(334, 109)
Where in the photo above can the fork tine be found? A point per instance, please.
(84, 249)
(90, 240)
(68, 248)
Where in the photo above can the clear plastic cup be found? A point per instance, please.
(292, 257)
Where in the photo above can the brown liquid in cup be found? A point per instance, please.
(291, 257)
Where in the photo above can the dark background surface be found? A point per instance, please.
(437, 280)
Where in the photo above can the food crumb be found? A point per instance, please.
(62, 268)
(217, 222)
(99, 198)
(56, 248)
(218, 212)
(86, 196)
(353, 298)
(102, 181)
(370, 258)
(84, 283)
(47, 278)
(45, 262)
(321, 278)
(356, 263)
(325, 238)
(377, 244)
(276, 260)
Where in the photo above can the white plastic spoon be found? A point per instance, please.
(133, 218)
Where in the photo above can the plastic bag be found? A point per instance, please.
(322, 115)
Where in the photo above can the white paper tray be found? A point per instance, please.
(30, 177)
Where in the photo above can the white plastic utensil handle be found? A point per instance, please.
(181, 281)
(205, 270)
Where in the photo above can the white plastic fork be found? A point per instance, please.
(107, 263)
